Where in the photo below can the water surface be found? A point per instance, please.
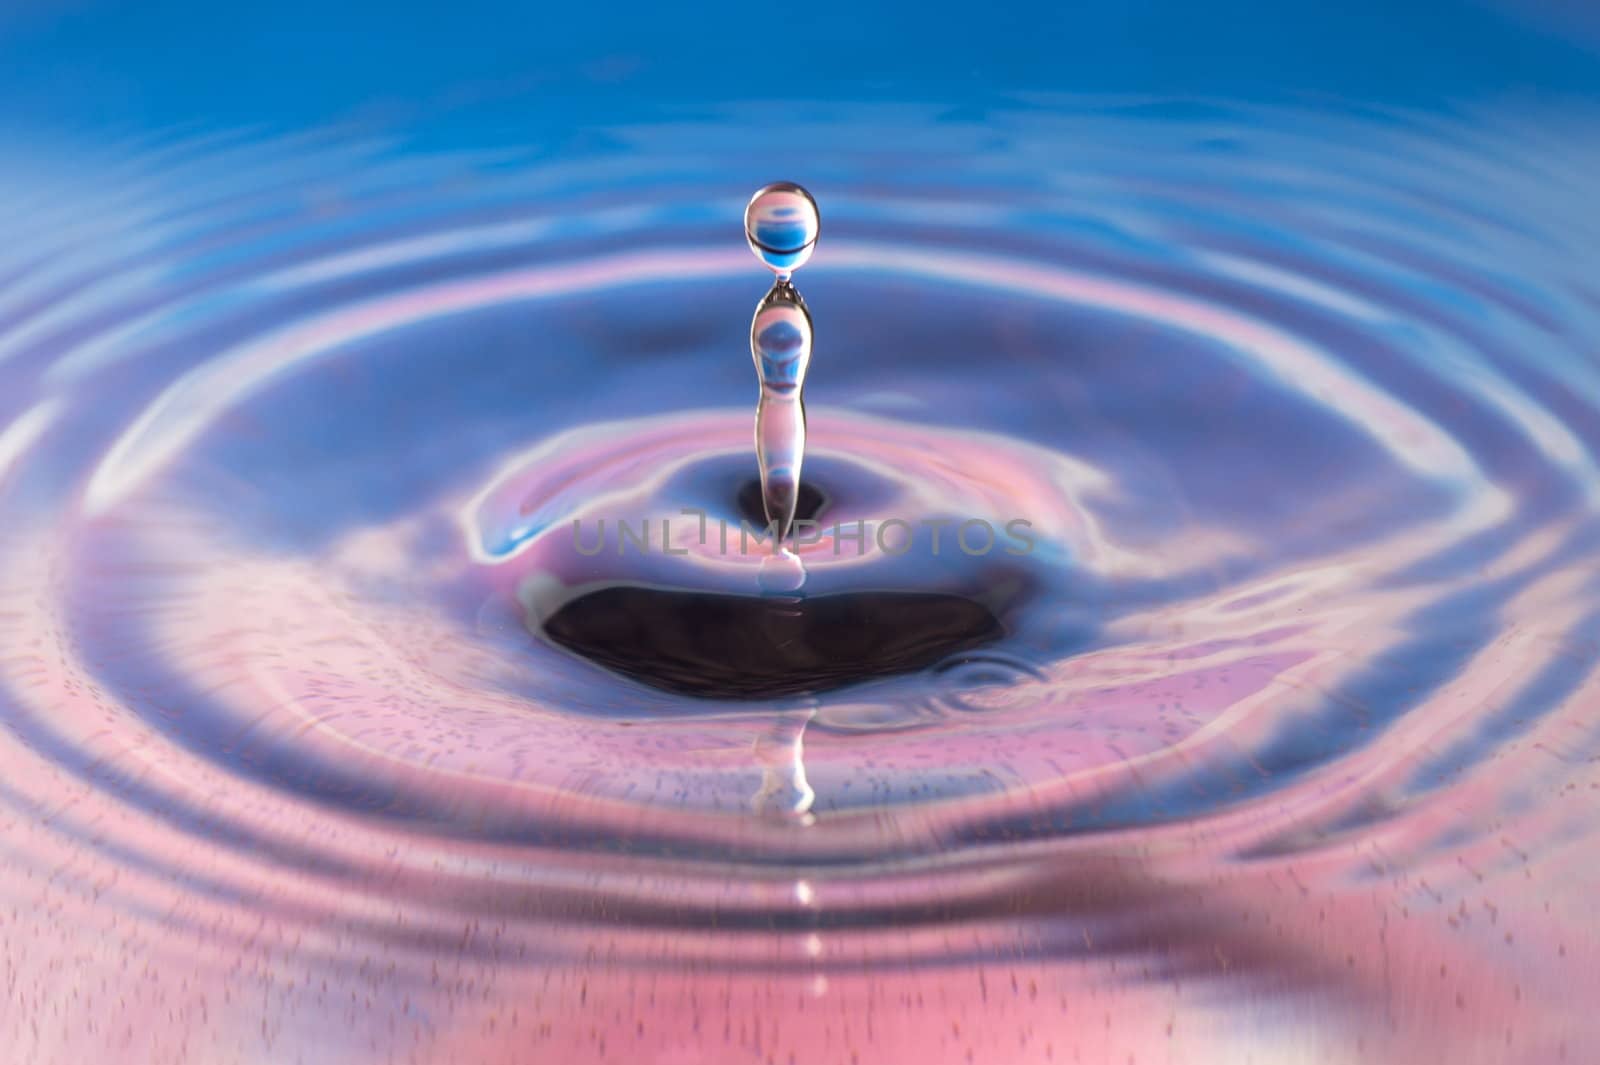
(323, 742)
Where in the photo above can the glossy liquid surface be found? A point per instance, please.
(330, 734)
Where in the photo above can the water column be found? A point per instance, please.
(781, 223)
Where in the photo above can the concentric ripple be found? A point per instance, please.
(314, 640)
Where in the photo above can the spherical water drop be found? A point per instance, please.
(781, 223)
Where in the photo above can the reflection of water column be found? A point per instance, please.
(780, 344)
(781, 224)
(785, 792)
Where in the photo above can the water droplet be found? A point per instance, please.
(780, 339)
(781, 223)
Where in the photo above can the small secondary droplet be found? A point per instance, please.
(781, 223)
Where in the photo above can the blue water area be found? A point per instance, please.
(556, 71)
